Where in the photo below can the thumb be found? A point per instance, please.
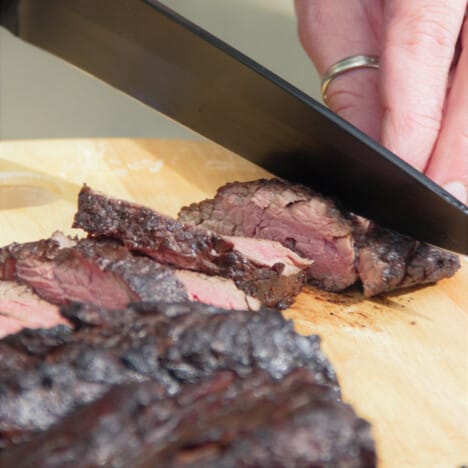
(331, 30)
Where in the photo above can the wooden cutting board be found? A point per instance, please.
(402, 360)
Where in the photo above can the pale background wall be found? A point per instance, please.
(43, 97)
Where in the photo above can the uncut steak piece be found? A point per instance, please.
(223, 421)
(344, 247)
(388, 260)
(105, 273)
(263, 269)
(48, 373)
(20, 307)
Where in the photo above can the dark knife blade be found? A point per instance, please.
(160, 58)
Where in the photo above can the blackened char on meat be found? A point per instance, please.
(223, 421)
(344, 247)
(47, 374)
(388, 260)
(27, 348)
(265, 270)
(105, 273)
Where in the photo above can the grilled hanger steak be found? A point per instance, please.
(223, 420)
(45, 374)
(146, 343)
(343, 247)
(262, 269)
(103, 272)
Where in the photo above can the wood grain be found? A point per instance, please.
(402, 360)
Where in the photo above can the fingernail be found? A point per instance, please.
(457, 189)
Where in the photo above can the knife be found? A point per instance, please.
(160, 58)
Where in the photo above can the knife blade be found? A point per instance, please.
(165, 61)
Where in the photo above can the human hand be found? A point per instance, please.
(416, 104)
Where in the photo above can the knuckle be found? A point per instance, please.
(354, 97)
(344, 101)
(415, 120)
(433, 28)
(424, 121)
(347, 93)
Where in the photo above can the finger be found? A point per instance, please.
(418, 50)
(448, 165)
(331, 30)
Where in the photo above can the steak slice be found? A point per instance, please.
(215, 291)
(388, 260)
(297, 217)
(20, 307)
(52, 372)
(102, 273)
(222, 421)
(105, 273)
(344, 247)
(168, 241)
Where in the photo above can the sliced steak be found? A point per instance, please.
(388, 260)
(291, 214)
(222, 421)
(105, 273)
(215, 291)
(101, 273)
(20, 307)
(184, 246)
(50, 373)
(344, 247)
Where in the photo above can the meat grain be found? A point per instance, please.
(20, 307)
(343, 247)
(103, 272)
(141, 229)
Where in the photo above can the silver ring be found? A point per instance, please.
(345, 65)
